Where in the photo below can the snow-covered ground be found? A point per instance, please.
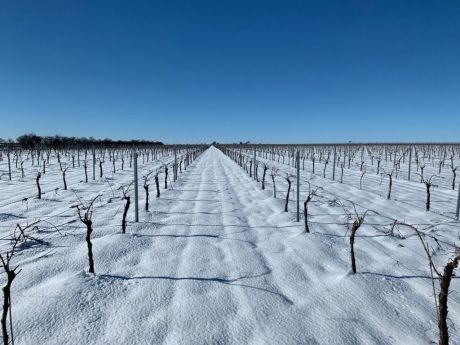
(216, 261)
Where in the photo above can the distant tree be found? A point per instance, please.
(59, 142)
(29, 140)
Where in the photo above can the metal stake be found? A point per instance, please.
(333, 168)
(458, 203)
(136, 192)
(255, 168)
(298, 186)
(94, 164)
(410, 161)
(9, 162)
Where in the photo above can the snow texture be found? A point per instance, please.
(216, 261)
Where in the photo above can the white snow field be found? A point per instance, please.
(217, 261)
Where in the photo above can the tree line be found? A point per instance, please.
(32, 140)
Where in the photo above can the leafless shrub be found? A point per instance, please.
(127, 198)
(63, 177)
(37, 180)
(310, 196)
(157, 183)
(288, 179)
(422, 167)
(390, 181)
(85, 166)
(146, 188)
(363, 171)
(342, 166)
(273, 174)
(85, 213)
(265, 168)
(101, 161)
(454, 171)
(356, 225)
(22, 166)
(11, 273)
(428, 185)
(359, 220)
(444, 283)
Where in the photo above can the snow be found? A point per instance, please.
(216, 261)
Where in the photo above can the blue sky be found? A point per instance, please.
(199, 71)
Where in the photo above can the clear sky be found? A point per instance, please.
(199, 71)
